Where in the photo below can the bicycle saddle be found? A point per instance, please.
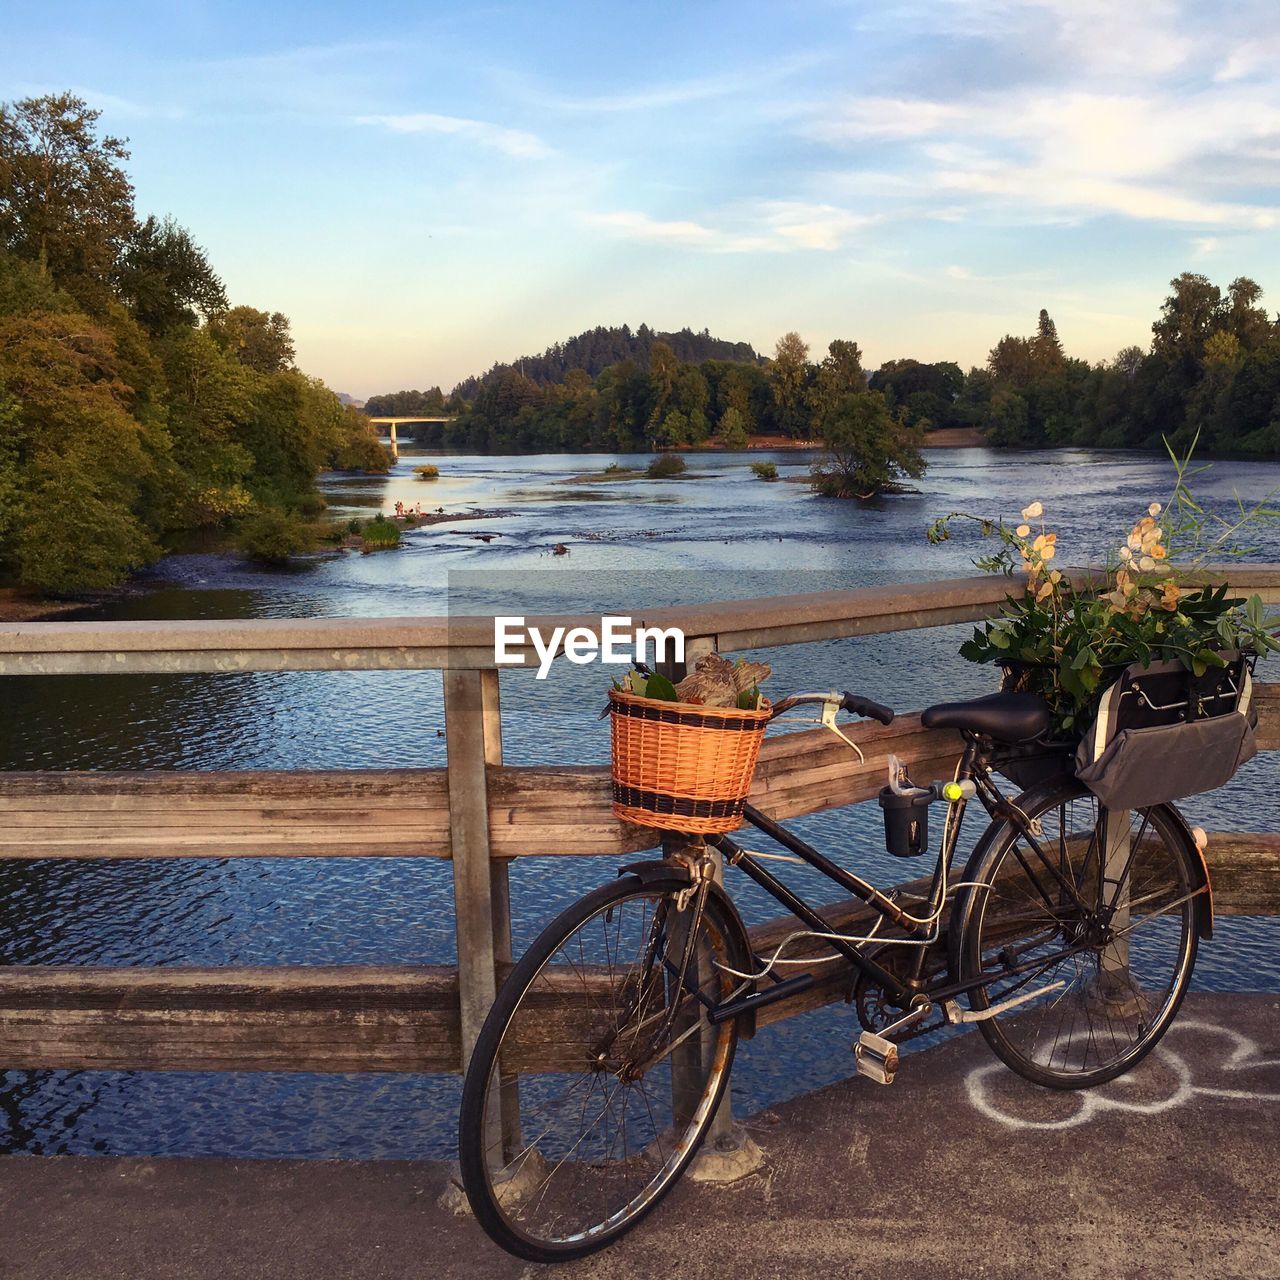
(1008, 717)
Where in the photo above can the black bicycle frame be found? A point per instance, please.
(973, 767)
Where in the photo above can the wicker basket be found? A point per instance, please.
(681, 767)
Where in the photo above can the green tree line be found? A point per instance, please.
(1212, 370)
(136, 404)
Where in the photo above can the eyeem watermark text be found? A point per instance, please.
(619, 642)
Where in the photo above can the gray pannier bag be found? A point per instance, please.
(1163, 733)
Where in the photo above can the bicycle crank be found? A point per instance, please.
(876, 1056)
(956, 1015)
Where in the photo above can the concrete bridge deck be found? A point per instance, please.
(957, 1170)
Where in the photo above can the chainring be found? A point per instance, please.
(875, 1011)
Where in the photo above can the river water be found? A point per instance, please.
(717, 533)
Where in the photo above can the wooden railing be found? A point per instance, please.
(476, 812)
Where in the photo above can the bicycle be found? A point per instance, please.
(1071, 935)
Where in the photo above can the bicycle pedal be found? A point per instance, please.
(875, 1057)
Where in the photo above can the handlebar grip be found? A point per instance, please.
(865, 707)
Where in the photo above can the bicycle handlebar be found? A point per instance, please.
(850, 702)
(860, 706)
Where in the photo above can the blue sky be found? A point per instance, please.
(425, 189)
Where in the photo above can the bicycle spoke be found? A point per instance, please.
(611, 1127)
(1120, 982)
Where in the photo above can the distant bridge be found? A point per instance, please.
(392, 423)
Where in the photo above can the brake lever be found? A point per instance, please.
(829, 710)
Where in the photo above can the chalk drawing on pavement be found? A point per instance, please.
(1242, 1056)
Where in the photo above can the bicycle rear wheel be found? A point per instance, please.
(1097, 912)
(596, 1073)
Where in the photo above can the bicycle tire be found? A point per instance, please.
(1108, 1013)
(487, 1167)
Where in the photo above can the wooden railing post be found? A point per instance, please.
(500, 901)
(469, 736)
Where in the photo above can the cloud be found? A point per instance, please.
(766, 226)
(511, 142)
(810, 226)
(754, 81)
(1079, 38)
(1248, 59)
(632, 225)
(1204, 245)
(864, 119)
(1077, 153)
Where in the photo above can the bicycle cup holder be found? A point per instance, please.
(906, 821)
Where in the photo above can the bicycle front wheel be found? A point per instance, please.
(597, 1073)
(1091, 916)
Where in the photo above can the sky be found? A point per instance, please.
(425, 189)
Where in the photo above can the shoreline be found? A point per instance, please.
(21, 604)
(17, 604)
(946, 438)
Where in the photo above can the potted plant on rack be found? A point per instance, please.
(1070, 634)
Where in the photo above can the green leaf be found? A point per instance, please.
(1206, 658)
(749, 699)
(661, 688)
(1085, 658)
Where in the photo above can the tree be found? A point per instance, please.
(734, 392)
(865, 449)
(790, 374)
(81, 458)
(1012, 362)
(674, 429)
(1189, 315)
(1248, 322)
(1046, 348)
(210, 398)
(1221, 349)
(839, 375)
(1128, 360)
(925, 393)
(166, 278)
(732, 431)
(12, 479)
(258, 339)
(66, 203)
(663, 367)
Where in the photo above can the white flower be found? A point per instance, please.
(1146, 564)
(1125, 553)
(1023, 531)
(1034, 511)
(1154, 509)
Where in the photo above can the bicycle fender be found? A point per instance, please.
(655, 871)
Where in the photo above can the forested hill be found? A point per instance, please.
(596, 349)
